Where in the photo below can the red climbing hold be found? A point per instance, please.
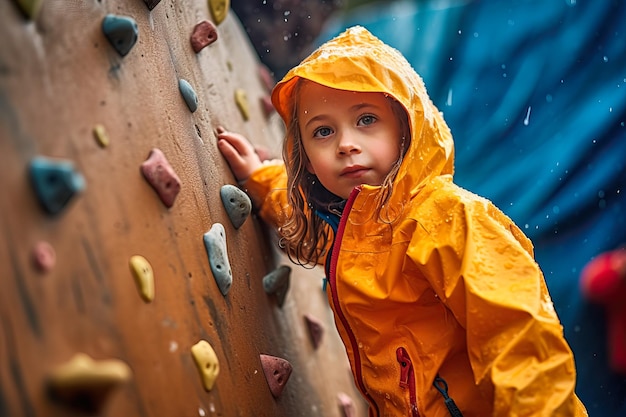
(160, 174)
(277, 372)
(203, 35)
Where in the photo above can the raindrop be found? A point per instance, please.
(527, 118)
(449, 100)
(605, 58)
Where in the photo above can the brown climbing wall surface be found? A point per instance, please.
(111, 180)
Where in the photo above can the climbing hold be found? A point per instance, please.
(266, 78)
(242, 103)
(160, 174)
(219, 9)
(151, 3)
(215, 244)
(237, 204)
(121, 31)
(266, 104)
(144, 277)
(101, 136)
(189, 95)
(204, 34)
(277, 283)
(316, 330)
(44, 256)
(30, 8)
(277, 372)
(346, 404)
(207, 363)
(84, 383)
(55, 182)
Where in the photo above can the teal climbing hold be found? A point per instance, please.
(55, 182)
(151, 3)
(121, 31)
(215, 244)
(189, 95)
(237, 204)
(277, 283)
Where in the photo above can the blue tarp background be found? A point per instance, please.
(535, 94)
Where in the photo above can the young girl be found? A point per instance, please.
(435, 292)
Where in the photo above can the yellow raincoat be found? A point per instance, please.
(448, 287)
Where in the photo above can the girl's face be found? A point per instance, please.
(350, 138)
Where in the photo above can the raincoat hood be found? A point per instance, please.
(358, 61)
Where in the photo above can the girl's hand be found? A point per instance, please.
(238, 152)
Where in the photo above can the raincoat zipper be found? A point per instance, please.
(333, 290)
(407, 378)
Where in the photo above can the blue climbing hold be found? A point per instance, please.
(56, 182)
(189, 95)
(237, 204)
(215, 245)
(121, 31)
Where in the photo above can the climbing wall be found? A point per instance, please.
(134, 280)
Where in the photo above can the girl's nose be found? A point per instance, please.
(347, 145)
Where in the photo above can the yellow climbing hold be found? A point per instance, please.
(144, 277)
(84, 373)
(207, 363)
(101, 136)
(242, 102)
(219, 9)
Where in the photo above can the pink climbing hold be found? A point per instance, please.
(346, 404)
(44, 256)
(277, 371)
(316, 330)
(160, 174)
(203, 35)
(268, 107)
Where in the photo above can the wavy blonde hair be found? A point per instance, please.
(305, 236)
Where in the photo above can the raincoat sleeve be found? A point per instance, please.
(267, 188)
(482, 266)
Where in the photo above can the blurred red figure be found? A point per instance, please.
(603, 281)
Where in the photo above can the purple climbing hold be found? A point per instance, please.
(316, 330)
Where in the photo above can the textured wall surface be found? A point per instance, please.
(66, 286)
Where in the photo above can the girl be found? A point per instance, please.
(435, 292)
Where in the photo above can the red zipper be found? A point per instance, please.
(407, 378)
(332, 280)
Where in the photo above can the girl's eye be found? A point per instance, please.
(366, 120)
(322, 132)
